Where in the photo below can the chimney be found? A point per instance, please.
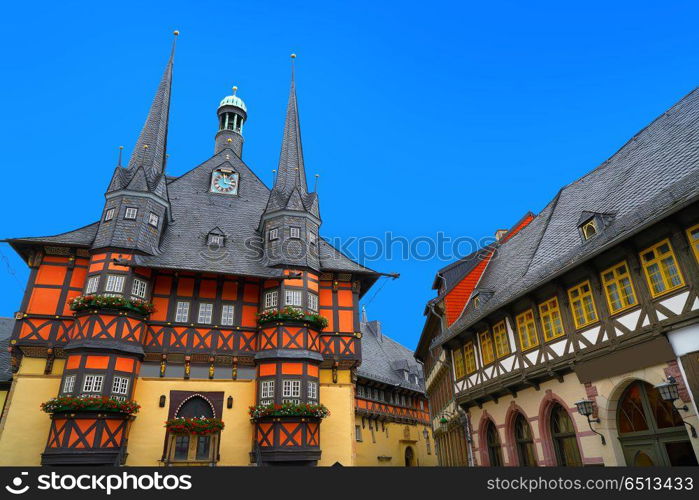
(500, 233)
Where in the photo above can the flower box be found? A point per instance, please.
(292, 314)
(288, 410)
(89, 403)
(83, 302)
(200, 426)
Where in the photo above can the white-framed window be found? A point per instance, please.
(227, 314)
(274, 234)
(131, 213)
(312, 302)
(109, 214)
(291, 391)
(120, 385)
(271, 299)
(266, 392)
(138, 288)
(358, 433)
(205, 312)
(292, 298)
(153, 219)
(312, 390)
(93, 383)
(115, 283)
(312, 238)
(182, 312)
(216, 239)
(295, 232)
(92, 284)
(69, 383)
(360, 391)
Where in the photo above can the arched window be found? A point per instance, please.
(651, 430)
(524, 442)
(565, 443)
(195, 407)
(190, 448)
(494, 448)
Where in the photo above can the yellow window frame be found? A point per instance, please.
(582, 304)
(661, 268)
(459, 370)
(694, 241)
(614, 277)
(526, 329)
(487, 347)
(551, 320)
(502, 343)
(469, 357)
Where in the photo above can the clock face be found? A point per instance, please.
(224, 182)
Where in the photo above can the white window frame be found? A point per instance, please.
(215, 239)
(109, 214)
(139, 288)
(227, 314)
(291, 391)
(206, 313)
(266, 391)
(120, 385)
(312, 302)
(273, 234)
(271, 299)
(153, 219)
(312, 390)
(93, 283)
(182, 312)
(293, 298)
(295, 232)
(131, 213)
(312, 237)
(69, 383)
(93, 383)
(115, 283)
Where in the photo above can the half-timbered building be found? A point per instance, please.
(207, 299)
(579, 342)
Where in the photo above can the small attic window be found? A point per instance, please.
(589, 229)
(476, 301)
(216, 240)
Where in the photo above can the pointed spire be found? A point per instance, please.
(150, 148)
(365, 319)
(291, 172)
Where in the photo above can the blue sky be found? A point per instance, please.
(419, 117)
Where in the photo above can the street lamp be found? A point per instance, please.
(669, 391)
(586, 408)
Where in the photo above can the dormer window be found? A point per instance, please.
(589, 229)
(131, 213)
(295, 232)
(109, 214)
(215, 239)
(153, 219)
(273, 234)
(476, 301)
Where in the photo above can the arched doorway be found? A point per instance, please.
(651, 430)
(565, 442)
(193, 448)
(524, 441)
(409, 457)
(492, 439)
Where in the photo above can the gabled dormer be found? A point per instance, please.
(591, 224)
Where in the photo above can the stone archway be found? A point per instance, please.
(409, 457)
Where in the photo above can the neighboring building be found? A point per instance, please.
(392, 425)
(590, 311)
(455, 284)
(211, 249)
(6, 326)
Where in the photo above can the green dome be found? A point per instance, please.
(233, 100)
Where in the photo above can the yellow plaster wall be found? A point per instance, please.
(391, 440)
(571, 390)
(25, 427)
(336, 431)
(147, 435)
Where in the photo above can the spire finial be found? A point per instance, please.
(121, 148)
(175, 33)
(235, 89)
(364, 316)
(293, 66)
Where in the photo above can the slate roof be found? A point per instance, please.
(385, 360)
(81, 237)
(652, 175)
(6, 326)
